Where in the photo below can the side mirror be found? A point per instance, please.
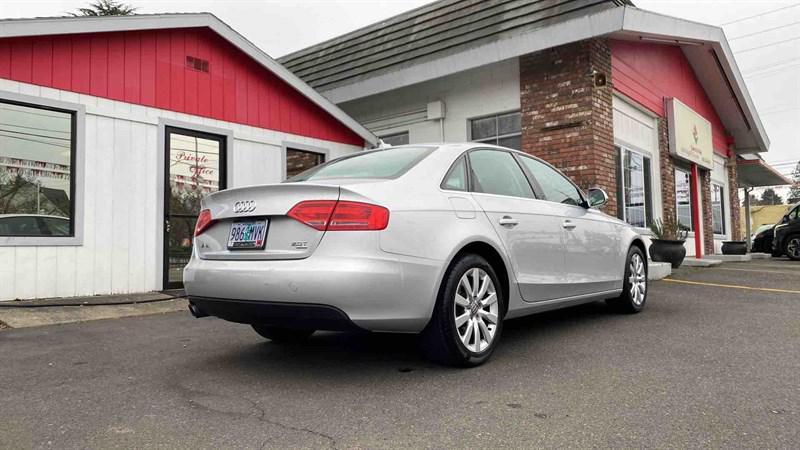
(785, 219)
(597, 198)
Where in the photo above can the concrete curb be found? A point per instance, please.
(694, 262)
(658, 270)
(732, 258)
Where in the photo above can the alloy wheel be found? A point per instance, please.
(637, 279)
(793, 247)
(476, 311)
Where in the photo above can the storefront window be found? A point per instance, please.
(635, 187)
(717, 209)
(36, 183)
(298, 161)
(504, 130)
(396, 139)
(683, 199)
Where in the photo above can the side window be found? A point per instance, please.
(555, 186)
(496, 172)
(456, 178)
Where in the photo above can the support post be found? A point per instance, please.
(747, 225)
(695, 195)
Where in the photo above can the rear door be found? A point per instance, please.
(591, 239)
(527, 227)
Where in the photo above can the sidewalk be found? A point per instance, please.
(33, 313)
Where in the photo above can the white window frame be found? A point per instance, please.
(691, 207)
(724, 208)
(399, 133)
(497, 137)
(648, 198)
(77, 173)
(720, 178)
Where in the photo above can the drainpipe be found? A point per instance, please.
(695, 195)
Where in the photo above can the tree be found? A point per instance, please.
(770, 197)
(105, 8)
(794, 191)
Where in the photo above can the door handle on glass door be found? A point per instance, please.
(507, 221)
(568, 225)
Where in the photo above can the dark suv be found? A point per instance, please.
(787, 235)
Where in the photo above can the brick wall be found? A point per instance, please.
(667, 172)
(708, 226)
(733, 194)
(566, 119)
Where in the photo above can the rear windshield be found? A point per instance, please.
(388, 163)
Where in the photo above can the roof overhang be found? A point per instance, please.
(74, 25)
(705, 47)
(757, 173)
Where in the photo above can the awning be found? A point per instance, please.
(757, 173)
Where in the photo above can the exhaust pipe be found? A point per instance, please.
(197, 312)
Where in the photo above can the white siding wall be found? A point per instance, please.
(474, 93)
(122, 226)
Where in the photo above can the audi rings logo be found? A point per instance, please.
(244, 206)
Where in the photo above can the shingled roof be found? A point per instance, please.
(428, 32)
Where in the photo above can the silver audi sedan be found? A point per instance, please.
(442, 240)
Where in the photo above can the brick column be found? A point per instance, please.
(733, 194)
(708, 226)
(566, 118)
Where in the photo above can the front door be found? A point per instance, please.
(195, 167)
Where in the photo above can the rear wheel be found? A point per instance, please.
(467, 320)
(282, 335)
(634, 286)
(792, 248)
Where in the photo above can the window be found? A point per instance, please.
(37, 154)
(717, 209)
(555, 186)
(298, 161)
(634, 188)
(388, 163)
(496, 172)
(396, 139)
(456, 178)
(683, 199)
(502, 129)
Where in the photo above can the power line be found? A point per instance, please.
(35, 135)
(34, 140)
(756, 69)
(771, 72)
(739, 52)
(41, 129)
(759, 15)
(767, 30)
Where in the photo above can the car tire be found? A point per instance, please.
(467, 299)
(634, 285)
(281, 335)
(792, 247)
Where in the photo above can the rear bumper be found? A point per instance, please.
(289, 315)
(381, 292)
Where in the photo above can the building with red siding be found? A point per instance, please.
(651, 108)
(111, 129)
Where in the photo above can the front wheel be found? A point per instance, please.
(792, 249)
(467, 319)
(634, 286)
(282, 335)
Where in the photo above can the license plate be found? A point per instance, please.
(249, 234)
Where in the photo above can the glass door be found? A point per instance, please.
(195, 167)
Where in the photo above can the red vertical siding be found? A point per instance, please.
(149, 68)
(649, 73)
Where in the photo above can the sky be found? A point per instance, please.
(767, 46)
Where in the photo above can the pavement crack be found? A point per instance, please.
(262, 416)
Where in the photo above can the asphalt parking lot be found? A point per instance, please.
(703, 366)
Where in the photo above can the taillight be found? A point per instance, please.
(331, 215)
(314, 213)
(203, 222)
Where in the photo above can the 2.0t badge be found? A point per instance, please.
(244, 206)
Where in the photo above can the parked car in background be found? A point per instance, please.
(787, 235)
(442, 240)
(761, 239)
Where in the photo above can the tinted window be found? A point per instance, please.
(555, 186)
(456, 179)
(389, 163)
(504, 130)
(496, 172)
(36, 153)
(298, 161)
(396, 139)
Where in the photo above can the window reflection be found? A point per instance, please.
(36, 151)
(298, 161)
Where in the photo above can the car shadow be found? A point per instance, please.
(329, 356)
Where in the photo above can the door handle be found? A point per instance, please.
(508, 221)
(568, 225)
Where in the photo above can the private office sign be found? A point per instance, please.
(689, 135)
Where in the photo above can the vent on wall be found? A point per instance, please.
(197, 64)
